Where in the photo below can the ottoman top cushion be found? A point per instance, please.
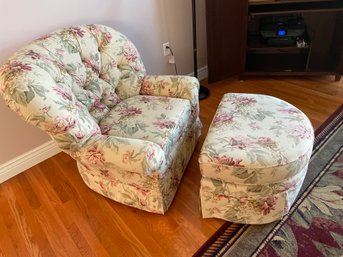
(256, 139)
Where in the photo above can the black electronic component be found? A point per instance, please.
(282, 30)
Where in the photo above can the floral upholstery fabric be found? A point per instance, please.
(254, 159)
(157, 119)
(84, 86)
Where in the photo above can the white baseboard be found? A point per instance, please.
(202, 73)
(25, 161)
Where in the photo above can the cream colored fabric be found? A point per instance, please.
(131, 134)
(254, 158)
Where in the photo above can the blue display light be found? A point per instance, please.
(281, 32)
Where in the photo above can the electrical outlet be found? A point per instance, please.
(166, 49)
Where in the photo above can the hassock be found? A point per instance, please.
(254, 159)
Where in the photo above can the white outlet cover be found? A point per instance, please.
(166, 50)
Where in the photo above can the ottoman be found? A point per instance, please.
(254, 159)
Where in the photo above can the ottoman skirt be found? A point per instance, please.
(249, 204)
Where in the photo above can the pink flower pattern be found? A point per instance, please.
(78, 31)
(46, 109)
(95, 156)
(130, 112)
(79, 91)
(241, 101)
(267, 142)
(227, 160)
(164, 124)
(254, 159)
(222, 118)
(301, 132)
(38, 56)
(98, 105)
(268, 205)
(150, 153)
(62, 125)
(62, 92)
(289, 110)
(15, 67)
(147, 88)
(92, 64)
(114, 99)
(80, 135)
(105, 128)
(130, 53)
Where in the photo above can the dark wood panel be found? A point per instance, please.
(235, 46)
(284, 7)
(226, 37)
(337, 46)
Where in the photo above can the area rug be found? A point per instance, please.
(314, 225)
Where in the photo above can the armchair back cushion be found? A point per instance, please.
(87, 69)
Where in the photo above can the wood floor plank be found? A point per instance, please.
(62, 243)
(49, 211)
(76, 225)
(11, 238)
(27, 234)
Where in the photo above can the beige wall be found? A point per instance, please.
(148, 23)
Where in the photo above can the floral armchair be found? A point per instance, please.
(131, 134)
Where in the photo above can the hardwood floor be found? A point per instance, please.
(48, 210)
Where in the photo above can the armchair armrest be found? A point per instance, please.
(185, 87)
(107, 152)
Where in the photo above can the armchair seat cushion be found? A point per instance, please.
(160, 120)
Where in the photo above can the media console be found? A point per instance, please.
(235, 45)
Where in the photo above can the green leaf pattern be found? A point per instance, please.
(82, 85)
(259, 147)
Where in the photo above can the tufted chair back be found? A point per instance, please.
(68, 80)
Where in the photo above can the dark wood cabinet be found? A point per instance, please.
(235, 45)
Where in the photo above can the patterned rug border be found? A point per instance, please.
(230, 232)
(327, 128)
(330, 122)
(296, 205)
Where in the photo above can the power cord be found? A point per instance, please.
(173, 60)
